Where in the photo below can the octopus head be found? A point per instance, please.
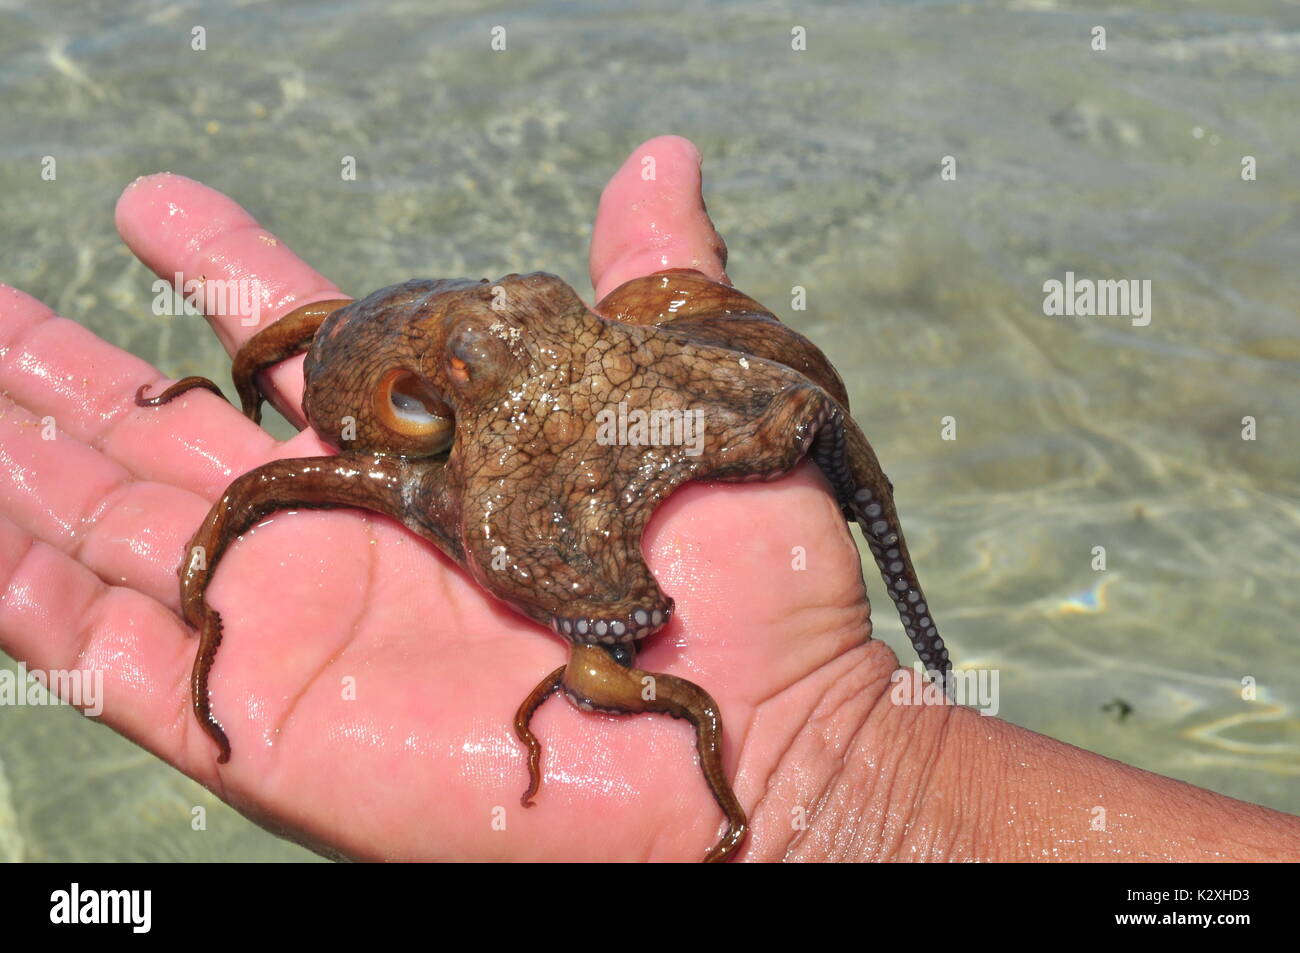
(392, 372)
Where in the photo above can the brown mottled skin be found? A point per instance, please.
(472, 413)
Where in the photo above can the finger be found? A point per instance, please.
(77, 501)
(84, 504)
(178, 226)
(57, 370)
(56, 615)
(652, 217)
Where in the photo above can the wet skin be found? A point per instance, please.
(480, 416)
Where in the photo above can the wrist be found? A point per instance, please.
(860, 782)
(885, 804)
(939, 782)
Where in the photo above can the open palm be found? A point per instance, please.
(366, 684)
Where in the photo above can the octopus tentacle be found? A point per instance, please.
(844, 455)
(804, 420)
(595, 681)
(290, 335)
(367, 481)
(704, 311)
(622, 654)
(626, 622)
(770, 442)
(175, 390)
(544, 690)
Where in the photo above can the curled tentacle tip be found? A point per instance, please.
(726, 848)
(223, 746)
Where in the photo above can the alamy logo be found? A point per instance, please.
(83, 688)
(103, 906)
(223, 297)
(651, 428)
(1125, 297)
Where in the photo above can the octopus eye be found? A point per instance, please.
(407, 407)
(475, 355)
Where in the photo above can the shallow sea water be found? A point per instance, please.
(822, 171)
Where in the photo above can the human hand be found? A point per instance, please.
(95, 521)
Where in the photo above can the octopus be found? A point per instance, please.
(530, 438)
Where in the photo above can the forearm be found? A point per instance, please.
(944, 783)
